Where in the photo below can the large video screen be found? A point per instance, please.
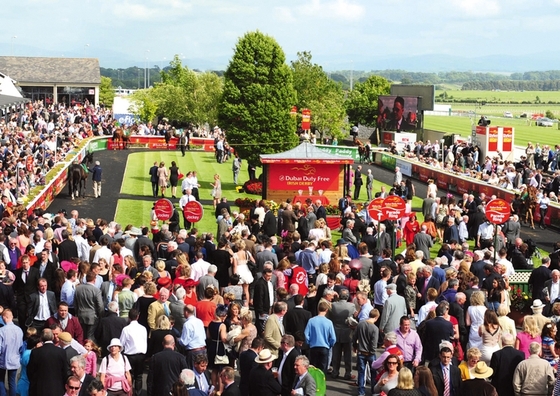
(398, 113)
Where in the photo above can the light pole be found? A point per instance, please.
(163, 63)
(441, 142)
(146, 75)
(85, 48)
(12, 45)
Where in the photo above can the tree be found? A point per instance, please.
(257, 98)
(321, 95)
(361, 105)
(144, 104)
(106, 92)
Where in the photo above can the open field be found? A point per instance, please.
(523, 133)
(503, 96)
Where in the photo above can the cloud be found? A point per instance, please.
(319, 9)
(481, 8)
(150, 10)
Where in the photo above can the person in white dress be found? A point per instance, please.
(240, 267)
(475, 318)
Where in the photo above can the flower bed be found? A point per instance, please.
(253, 186)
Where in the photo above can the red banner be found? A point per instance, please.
(493, 139)
(308, 178)
(158, 143)
(507, 139)
(306, 119)
(481, 130)
(498, 211)
(387, 138)
(375, 209)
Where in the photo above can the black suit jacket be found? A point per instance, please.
(269, 226)
(208, 379)
(455, 378)
(263, 383)
(261, 298)
(24, 290)
(153, 174)
(288, 371)
(246, 365)
(48, 273)
(87, 380)
(537, 280)
(503, 363)
(67, 250)
(165, 367)
(33, 307)
(432, 283)
(47, 379)
(437, 329)
(232, 390)
(110, 326)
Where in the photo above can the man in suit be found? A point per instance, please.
(67, 322)
(53, 257)
(504, 362)
(47, 379)
(446, 376)
(227, 376)
(357, 182)
(304, 380)
(42, 305)
(24, 285)
(78, 369)
(438, 329)
(110, 326)
(552, 287)
(393, 309)
(88, 304)
(423, 241)
(46, 268)
(247, 364)
(263, 296)
(398, 122)
(202, 376)
(165, 368)
(296, 319)
(427, 205)
(383, 239)
(285, 364)
(538, 278)
(269, 225)
(67, 249)
(158, 308)
(154, 179)
(451, 232)
(261, 379)
(274, 329)
(288, 219)
(427, 281)
(340, 311)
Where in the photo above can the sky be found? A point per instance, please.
(340, 34)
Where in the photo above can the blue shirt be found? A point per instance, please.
(193, 335)
(364, 311)
(319, 333)
(67, 293)
(11, 341)
(308, 260)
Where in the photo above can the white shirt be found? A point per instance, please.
(281, 367)
(202, 382)
(83, 247)
(554, 291)
(134, 339)
(104, 252)
(199, 269)
(43, 313)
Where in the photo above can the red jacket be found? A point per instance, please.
(73, 327)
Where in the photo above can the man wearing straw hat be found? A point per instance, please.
(479, 385)
(261, 379)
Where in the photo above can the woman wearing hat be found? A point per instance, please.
(115, 370)
(479, 384)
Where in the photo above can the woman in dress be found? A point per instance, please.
(23, 382)
(432, 188)
(442, 211)
(389, 378)
(548, 336)
(491, 334)
(163, 176)
(506, 323)
(233, 319)
(155, 342)
(240, 267)
(173, 178)
(410, 191)
(130, 266)
(530, 333)
(248, 332)
(411, 228)
(475, 318)
(116, 257)
(143, 303)
(222, 260)
(216, 337)
(216, 190)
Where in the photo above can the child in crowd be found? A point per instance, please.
(93, 353)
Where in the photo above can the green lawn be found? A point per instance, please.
(523, 133)
(502, 96)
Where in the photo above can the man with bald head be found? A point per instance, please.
(165, 368)
(504, 362)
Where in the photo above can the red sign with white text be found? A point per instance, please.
(394, 207)
(498, 211)
(507, 144)
(193, 211)
(493, 139)
(163, 209)
(311, 178)
(306, 119)
(375, 209)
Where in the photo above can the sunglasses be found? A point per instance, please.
(392, 363)
(73, 387)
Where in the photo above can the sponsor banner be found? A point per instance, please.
(306, 119)
(493, 139)
(307, 177)
(507, 140)
(498, 211)
(388, 161)
(481, 130)
(344, 151)
(97, 145)
(405, 166)
(126, 119)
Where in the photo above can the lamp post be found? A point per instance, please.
(146, 72)
(12, 45)
(441, 142)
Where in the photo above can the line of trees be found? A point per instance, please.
(510, 85)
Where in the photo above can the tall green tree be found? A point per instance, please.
(323, 96)
(257, 99)
(144, 104)
(106, 92)
(361, 105)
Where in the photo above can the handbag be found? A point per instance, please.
(220, 359)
